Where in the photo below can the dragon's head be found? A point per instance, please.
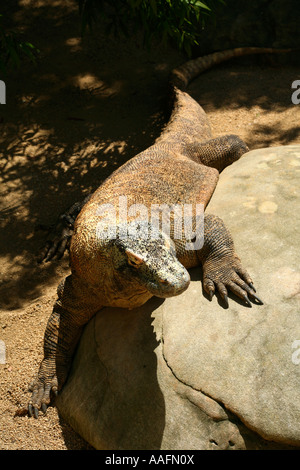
(144, 255)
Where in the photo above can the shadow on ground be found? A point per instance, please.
(68, 123)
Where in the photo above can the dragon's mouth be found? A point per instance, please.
(171, 287)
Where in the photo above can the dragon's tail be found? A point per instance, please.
(182, 75)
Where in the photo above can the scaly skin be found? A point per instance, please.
(182, 167)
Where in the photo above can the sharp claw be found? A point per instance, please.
(36, 412)
(44, 408)
(30, 411)
(257, 298)
(247, 301)
(50, 255)
(211, 293)
(226, 300)
(252, 286)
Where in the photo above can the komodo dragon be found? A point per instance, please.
(182, 167)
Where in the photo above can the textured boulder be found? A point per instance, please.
(187, 373)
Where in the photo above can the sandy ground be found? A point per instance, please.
(87, 108)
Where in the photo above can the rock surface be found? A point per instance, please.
(187, 373)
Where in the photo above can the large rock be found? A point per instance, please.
(187, 373)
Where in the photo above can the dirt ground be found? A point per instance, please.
(68, 123)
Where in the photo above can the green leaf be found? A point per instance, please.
(31, 46)
(201, 5)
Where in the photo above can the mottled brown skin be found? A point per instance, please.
(182, 167)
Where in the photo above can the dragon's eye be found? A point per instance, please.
(133, 259)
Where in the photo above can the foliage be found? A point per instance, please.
(13, 49)
(179, 21)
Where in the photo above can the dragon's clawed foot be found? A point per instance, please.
(59, 235)
(58, 241)
(42, 388)
(228, 274)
